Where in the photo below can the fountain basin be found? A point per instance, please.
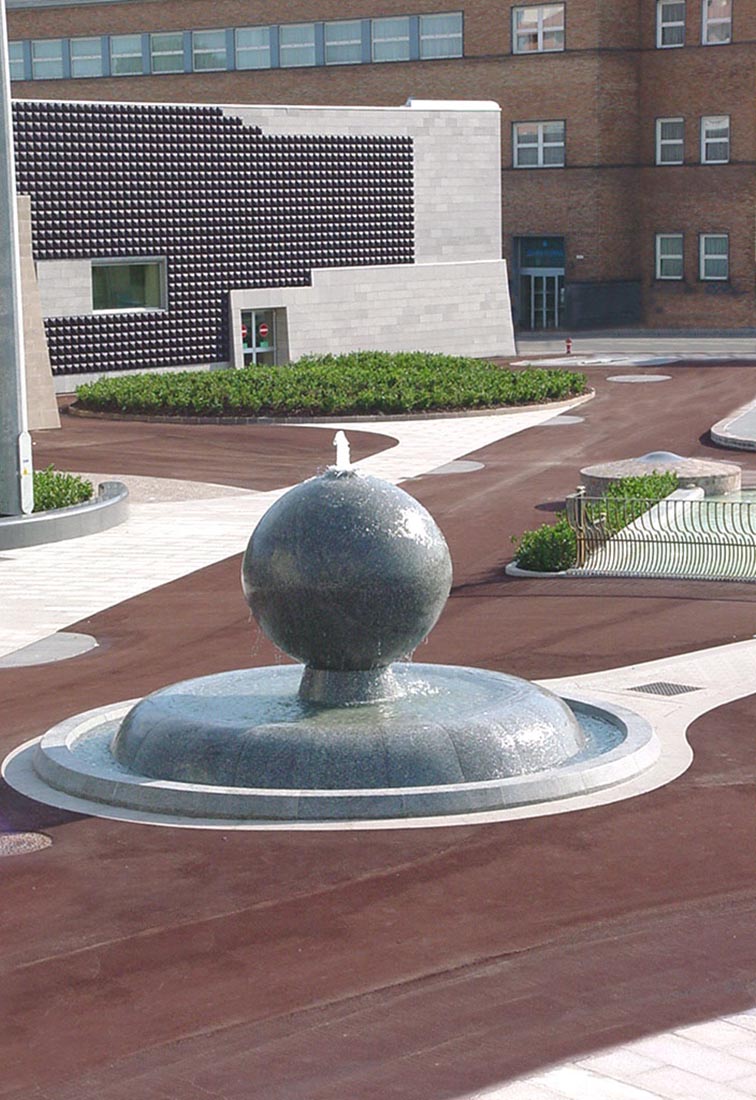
(74, 758)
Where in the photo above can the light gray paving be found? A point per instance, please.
(44, 589)
(685, 345)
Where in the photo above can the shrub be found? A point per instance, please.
(550, 548)
(624, 500)
(53, 489)
(365, 382)
(553, 547)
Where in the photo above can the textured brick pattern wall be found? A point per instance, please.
(224, 204)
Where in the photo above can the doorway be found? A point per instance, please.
(258, 337)
(541, 298)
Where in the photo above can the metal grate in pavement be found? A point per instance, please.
(663, 687)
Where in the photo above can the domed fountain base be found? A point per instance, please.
(242, 746)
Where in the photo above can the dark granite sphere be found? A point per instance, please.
(346, 572)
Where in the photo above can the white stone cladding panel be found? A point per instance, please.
(456, 308)
(65, 287)
(457, 162)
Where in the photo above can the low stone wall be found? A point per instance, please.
(108, 509)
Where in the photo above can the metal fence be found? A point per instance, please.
(689, 539)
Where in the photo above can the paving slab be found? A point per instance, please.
(433, 964)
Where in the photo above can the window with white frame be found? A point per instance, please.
(126, 55)
(670, 24)
(538, 29)
(16, 59)
(391, 39)
(297, 45)
(715, 139)
(209, 51)
(670, 141)
(129, 285)
(538, 144)
(86, 56)
(47, 59)
(253, 48)
(441, 35)
(343, 42)
(714, 256)
(167, 52)
(717, 22)
(669, 255)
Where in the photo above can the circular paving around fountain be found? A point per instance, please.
(73, 760)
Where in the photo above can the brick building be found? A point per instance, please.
(628, 126)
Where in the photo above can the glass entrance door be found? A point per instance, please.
(541, 298)
(258, 336)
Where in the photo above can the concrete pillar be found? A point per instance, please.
(16, 481)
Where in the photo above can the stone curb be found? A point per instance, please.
(720, 433)
(109, 508)
(377, 418)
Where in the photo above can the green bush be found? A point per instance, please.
(366, 382)
(53, 489)
(624, 500)
(550, 548)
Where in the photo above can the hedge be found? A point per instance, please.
(368, 382)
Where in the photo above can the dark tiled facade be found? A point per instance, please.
(222, 203)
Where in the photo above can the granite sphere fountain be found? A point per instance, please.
(347, 574)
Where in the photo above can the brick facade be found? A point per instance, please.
(609, 85)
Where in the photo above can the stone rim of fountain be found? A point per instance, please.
(49, 764)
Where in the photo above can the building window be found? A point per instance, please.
(167, 52)
(538, 29)
(16, 59)
(47, 59)
(297, 44)
(391, 39)
(253, 48)
(441, 35)
(669, 255)
(343, 43)
(128, 285)
(670, 24)
(714, 256)
(208, 51)
(126, 55)
(717, 22)
(86, 56)
(539, 144)
(670, 140)
(715, 139)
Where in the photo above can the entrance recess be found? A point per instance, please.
(258, 336)
(541, 298)
(540, 270)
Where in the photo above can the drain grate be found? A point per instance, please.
(663, 687)
(18, 844)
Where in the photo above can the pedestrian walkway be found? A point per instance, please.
(172, 532)
(642, 344)
(709, 1061)
(48, 588)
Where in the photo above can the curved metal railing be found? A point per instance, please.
(685, 538)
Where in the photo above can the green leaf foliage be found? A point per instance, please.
(365, 382)
(53, 489)
(552, 548)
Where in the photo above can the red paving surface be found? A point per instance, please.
(148, 962)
